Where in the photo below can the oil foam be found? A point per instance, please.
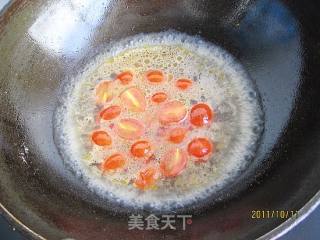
(219, 80)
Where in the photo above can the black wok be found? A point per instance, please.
(43, 44)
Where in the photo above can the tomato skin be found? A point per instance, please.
(159, 97)
(173, 162)
(125, 77)
(110, 113)
(113, 162)
(200, 147)
(201, 114)
(155, 76)
(101, 138)
(183, 84)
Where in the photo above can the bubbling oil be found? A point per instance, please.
(217, 80)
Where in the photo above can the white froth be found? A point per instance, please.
(219, 79)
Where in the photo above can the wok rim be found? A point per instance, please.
(22, 228)
(274, 234)
(292, 222)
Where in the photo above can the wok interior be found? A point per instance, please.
(45, 44)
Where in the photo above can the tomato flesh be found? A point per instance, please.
(134, 99)
(129, 128)
(172, 112)
(173, 162)
(177, 135)
(146, 178)
(103, 92)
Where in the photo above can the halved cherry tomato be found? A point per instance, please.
(177, 135)
(133, 98)
(113, 162)
(103, 92)
(146, 178)
(173, 162)
(172, 112)
(200, 147)
(183, 84)
(201, 114)
(110, 113)
(159, 97)
(101, 138)
(129, 128)
(155, 76)
(141, 148)
(125, 77)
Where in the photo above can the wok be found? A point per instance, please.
(43, 44)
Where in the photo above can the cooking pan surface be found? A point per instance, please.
(44, 45)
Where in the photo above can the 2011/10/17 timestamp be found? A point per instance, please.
(267, 214)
